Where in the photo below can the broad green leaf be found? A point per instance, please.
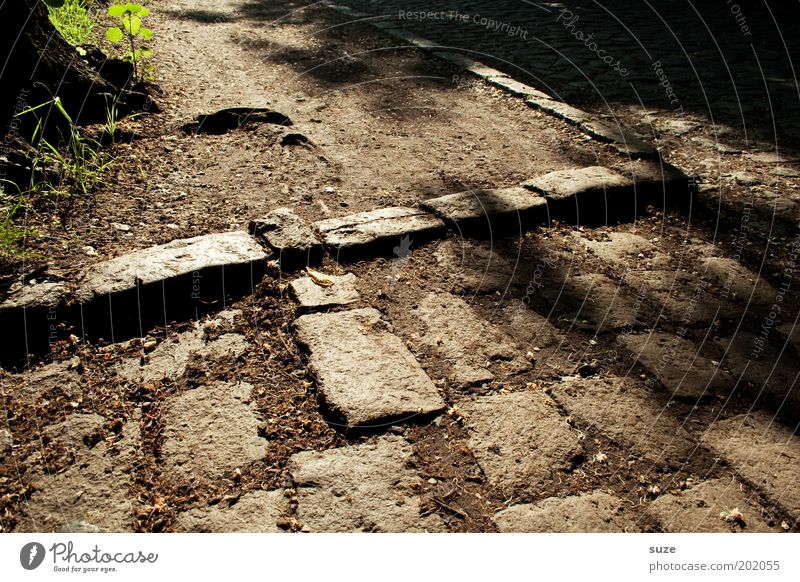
(134, 8)
(145, 52)
(116, 10)
(114, 34)
(146, 33)
(132, 24)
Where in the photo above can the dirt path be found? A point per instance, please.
(571, 378)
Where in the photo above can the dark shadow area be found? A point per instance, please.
(122, 316)
(730, 64)
(202, 16)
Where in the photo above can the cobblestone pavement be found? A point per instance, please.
(582, 375)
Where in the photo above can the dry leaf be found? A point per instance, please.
(320, 279)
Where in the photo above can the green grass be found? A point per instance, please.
(74, 21)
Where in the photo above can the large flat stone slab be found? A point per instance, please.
(92, 494)
(256, 512)
(738, 282)
(762, 451)
(476, 351)
(475, 266)
(679, 365)
(172, 260)
(592, 195)
(365, 374)
(591, 301)
(378, 227)
(360, 488)
(624, 410)
(768, 371)
(210, 431)
(704, 508)
(621, 249)
(289, 236)
(497, 209)
(595, 512)
(519, 439)
(620, 137)
(658, 182)
(62, 376)
(310, 295)
(680, 296)
(169, 360)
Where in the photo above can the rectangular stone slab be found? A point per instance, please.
(386, 225)
(289, 236)
(364, 373)
(169, 261)
(484, 207)
(588, 195)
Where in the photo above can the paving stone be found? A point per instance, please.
(62, 375)
(360, 488)
(475, 67)
(767, 369)
(529, 328)
(677, 127)
(474, 266)
(519, 439)
(289, 236)
(516, 88)
(621, 249)
(384, 226)
(171, 357)
(256, 512)
(474, 349)
(560, 110)
(313, 296)
(211, 430)
(40, 295)
(680, 296)
(622, 138)
(92, 494)
(657, 182)
(624, 410)
(738, 281)
(592, 301)
(364, 373)
(679, 365)
(491, 209)
(762, 451)
(702, 509)
(566, 184)
(587, 195)
(595, 512)
(179, 258)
